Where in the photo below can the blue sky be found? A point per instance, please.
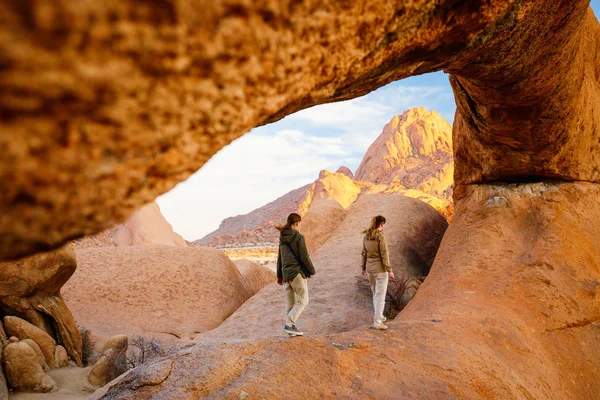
(271, 160)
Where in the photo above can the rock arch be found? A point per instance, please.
(105, 106)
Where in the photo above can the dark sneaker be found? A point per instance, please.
(380, 327)
(292, 331)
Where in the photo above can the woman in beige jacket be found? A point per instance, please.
(376, 263)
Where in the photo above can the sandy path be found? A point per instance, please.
(70, 382)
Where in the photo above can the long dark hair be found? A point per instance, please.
(291, 220)
(376, 222)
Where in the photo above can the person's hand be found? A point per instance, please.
(392, 276)
(364, 272)
(280, 281)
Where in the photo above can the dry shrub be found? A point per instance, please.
(142, 350)
(88, 351)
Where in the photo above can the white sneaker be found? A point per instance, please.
(380, 327)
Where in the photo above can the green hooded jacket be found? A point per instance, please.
(288, 266)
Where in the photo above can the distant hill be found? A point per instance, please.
(146, 227)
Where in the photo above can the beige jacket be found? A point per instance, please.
(375, 256)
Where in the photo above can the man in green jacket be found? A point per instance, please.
(293, 268)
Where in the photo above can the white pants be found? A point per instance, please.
(296, 296)
(379, 284)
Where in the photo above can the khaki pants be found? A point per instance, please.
(296, 296)
(379, 284)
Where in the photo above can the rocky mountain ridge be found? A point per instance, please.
(412, 155)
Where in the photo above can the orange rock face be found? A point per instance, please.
(31, 290)
(415, 151)
(510, 310)
(106, 105)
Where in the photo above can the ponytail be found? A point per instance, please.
(291, 220)
(376, 222)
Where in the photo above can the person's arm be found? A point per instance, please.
(303, 250)
(383, 250)
(279, 268)
(364, 257)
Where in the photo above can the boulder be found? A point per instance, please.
(255, 276)
(30, 290)
(23, 370)
(112, 362)
(3, 385)
(61, 358)
(38, 353)
(24, 330)
(167, 292)
(3, 336)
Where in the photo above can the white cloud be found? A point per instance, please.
(272, 160)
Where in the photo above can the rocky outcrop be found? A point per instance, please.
(22, 330)
(472, 331)
(255, 276)
(31, 291)
(163, 291)
(61, 358)
(23, 371)
(340, 299)
(345, 171)
(38, 353)
(137, 117)
(147, 227)
(80, 157)
(415, 151)
(111, 364)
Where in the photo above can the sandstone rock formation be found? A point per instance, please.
(146, 227)
(415, 151)
(323, 206)
(31, 291)
(138, 116)
(255, 276)
(80, 157)
(23, 371)
(345, 171)
(22, 330)
(163, 291)
(112, 362)
(338, 301)
(61, 358)
(38, 353)
(487, 322)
